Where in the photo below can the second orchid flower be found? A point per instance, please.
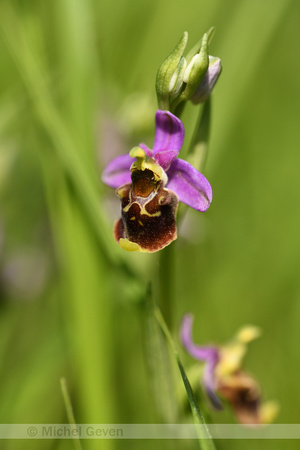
(223, 375)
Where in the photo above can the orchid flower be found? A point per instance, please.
(224, 376)
(151, 187)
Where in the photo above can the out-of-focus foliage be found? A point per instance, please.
(77, 88)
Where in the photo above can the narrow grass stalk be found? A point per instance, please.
(205, 440)
(54, 124)
(85, 293)
(70, 412)
(159, 364)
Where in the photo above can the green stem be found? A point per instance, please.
(163, 103)
(178, 108)
(166, 278)
(198, 148)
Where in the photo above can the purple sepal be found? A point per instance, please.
(210, 355)
(117, 172)
(210, 390)
(169, 136)
(190, 185)
(209, 378)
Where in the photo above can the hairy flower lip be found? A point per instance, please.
(147, 224)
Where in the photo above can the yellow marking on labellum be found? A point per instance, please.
(141, 223)
(130, 246)
(146, 213)
(126, 209)
(121, 191)
(132, 218)
(143, 210)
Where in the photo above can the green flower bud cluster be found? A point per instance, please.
(191, 77)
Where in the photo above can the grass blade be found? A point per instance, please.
(205, 440)
(69, 410)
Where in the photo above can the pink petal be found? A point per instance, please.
(169, 136)
(190, 185)
(117, 172)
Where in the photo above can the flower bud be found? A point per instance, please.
(177, 78)
(170, 73)
(196, 69)
(180, 78)
(210, 78)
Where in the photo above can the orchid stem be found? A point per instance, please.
(198, 149)
(166, 283)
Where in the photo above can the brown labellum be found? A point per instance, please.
(148, 214)
(243, 393)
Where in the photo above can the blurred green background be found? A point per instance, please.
(77, 88)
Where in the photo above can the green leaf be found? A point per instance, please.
(68, 151)
(159, 365)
